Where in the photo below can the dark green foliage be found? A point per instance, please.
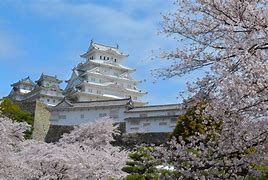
(142, 165)
(135, 177)
(194, 121)
(14, 112)
(263, 169)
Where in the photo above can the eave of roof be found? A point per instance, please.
(91, 104)
(103, 48)
(26, 81)
(53, 78)
(166, 107)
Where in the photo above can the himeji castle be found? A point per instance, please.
(100, 86)
(102, 76)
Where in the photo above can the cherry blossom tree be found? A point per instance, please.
(11, 138)
(85, 153)
(229, 39)
(217, 155)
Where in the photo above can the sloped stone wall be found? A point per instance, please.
(41, 121)
(133, 139)
(125, 140)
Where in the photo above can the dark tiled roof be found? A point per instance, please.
(156, 108)
(26, 80)
(65, 104)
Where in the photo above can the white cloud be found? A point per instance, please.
(123, 19)
(118, 22)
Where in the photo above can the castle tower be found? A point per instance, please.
(102, 76)
(46, 89)
(21, 88)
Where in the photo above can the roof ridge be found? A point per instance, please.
(23, 80)
(115, 47)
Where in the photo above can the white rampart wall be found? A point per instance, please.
(80, 116)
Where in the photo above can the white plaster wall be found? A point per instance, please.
(73, 117)
(153, 126)
(154, 122)
(111, 56)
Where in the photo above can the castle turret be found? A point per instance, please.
(46, 89)
(21, 88)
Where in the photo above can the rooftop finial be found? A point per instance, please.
(91, 41)
(117, 46)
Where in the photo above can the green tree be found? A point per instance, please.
(14, 112)
(142, 165)
(195, 121)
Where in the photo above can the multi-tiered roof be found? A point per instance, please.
(102, 76)
(46, 89)
(21, 88)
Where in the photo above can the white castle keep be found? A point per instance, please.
(100, 86)
(103, 77)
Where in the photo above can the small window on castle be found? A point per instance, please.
(162, 123)
(103, 57)
(116, 74)
(146, 124)
(54, 100)
(107, 58)
(114, 113)
(170, 113)
(100, 57)
(143, 115)
(48, 100)
(82, 116)
(62, 116)
(173, 120)
(114, 60)
(90, 90)
(135, 122)
(102, 114)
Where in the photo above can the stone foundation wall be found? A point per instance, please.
(125, 140)
(41, 121)
(56, 131)
(130, 140)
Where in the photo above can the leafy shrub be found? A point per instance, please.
(14, 112)
(142, 165)
(195, 121)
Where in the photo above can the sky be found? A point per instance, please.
(48, 36)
